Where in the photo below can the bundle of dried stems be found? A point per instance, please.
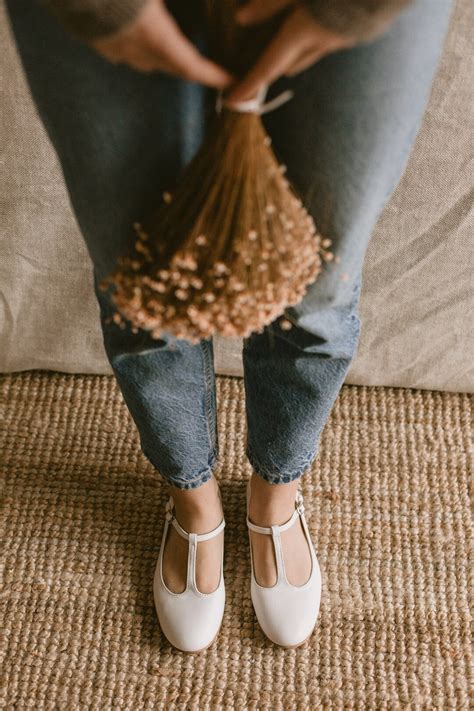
(232, 246)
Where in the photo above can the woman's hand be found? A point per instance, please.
(153, 41)
(298, 44)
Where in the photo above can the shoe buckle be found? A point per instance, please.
(299, 504)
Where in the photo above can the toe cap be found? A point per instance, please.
(287, 614)
(189, 621)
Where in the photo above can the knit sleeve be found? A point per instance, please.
(90, 19)
(361, 19)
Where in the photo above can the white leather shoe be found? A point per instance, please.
(190, 620)
(286, 613)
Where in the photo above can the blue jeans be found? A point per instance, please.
(123, 137)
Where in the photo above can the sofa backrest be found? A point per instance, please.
(417, 297)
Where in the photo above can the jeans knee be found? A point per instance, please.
(323, 335)
(121, 340)
(325, 321)
(331, 329)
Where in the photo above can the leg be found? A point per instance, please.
(123, 137)
(345, 138)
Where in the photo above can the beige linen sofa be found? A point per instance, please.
(417, 297)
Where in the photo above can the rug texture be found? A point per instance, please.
(388, 502)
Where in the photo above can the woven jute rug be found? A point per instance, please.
(389, 510)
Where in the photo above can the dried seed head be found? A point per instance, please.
(183, 260)
(235, 284)
(196, 282)
(143, 249)
(285, 324)
(192, 311)
(140, 231)
(176, 260)
(157, 306)
(221, 268)
(201, 240)
(252, 235)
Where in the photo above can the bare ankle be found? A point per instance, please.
(271, 503)
(199, 508)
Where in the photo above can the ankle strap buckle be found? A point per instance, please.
(299, 503)
(169, 510)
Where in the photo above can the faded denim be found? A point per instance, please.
(122, 137)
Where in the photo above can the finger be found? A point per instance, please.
(305, 61)
(282, 53)
(256, 11)
(131, 54)
(172, 47)
(109, 52)
(146, 61)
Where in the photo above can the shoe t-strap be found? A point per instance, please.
(276, 530)
(193, 539)
(299, 510)
(171, 518)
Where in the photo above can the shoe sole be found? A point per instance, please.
(202, 649)
(290, 646)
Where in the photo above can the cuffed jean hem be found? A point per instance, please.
(278, 477)
(187, 482)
